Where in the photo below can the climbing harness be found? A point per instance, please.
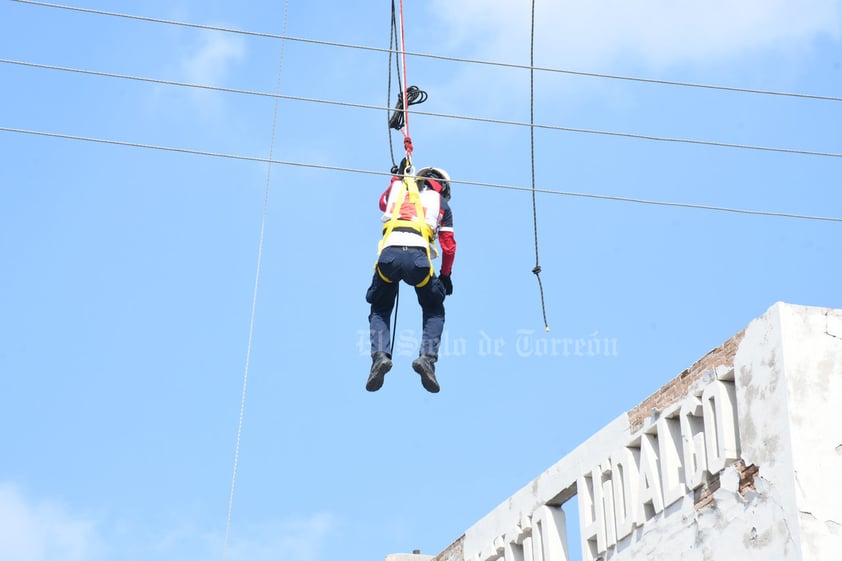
(408, 214)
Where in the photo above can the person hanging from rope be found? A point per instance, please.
(416, 212)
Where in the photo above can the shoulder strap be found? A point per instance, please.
(409, 187)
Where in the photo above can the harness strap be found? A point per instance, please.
(420, 284)
(423, 229)
(381, 275)
(409, 187)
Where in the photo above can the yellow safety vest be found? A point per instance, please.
(408, 188)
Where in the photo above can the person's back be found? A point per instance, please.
(415, 214)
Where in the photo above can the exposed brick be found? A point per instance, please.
(747, 476)
(703, 496)
(453, 552)
(678, 387)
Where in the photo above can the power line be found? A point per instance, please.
(432, 114)
(438, 57)
(388, 174)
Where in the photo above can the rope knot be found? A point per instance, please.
(407, 144)
(537, 270)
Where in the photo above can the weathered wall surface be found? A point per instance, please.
(739, 457)
(789, 390)
(813, 365)
(454, 551)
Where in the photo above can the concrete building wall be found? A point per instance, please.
(739, 457)
(793, 410)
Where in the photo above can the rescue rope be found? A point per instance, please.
(394, 41)
(537, 269)
(254, 296)
(403, 65)
(393, 44)
(399, 120)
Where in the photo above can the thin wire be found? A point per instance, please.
(254, 294)
(431, 114)
(388, 174)
(537, 269)
(438, 57)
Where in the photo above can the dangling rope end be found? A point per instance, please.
(537, 271)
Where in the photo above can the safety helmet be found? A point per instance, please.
(439, 175)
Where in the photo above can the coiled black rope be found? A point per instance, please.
(414, 95)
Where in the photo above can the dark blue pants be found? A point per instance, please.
(411, 265)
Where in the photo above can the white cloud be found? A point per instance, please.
(212, 59)
(210, 62)
(46, 530)
(656, 32)
(33, 530)
(294, 539)
(291, 540)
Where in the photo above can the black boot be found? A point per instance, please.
(381, 363)
(425, 365)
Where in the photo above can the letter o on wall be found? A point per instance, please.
(719, 409)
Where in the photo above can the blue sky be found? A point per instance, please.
(129, 273)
